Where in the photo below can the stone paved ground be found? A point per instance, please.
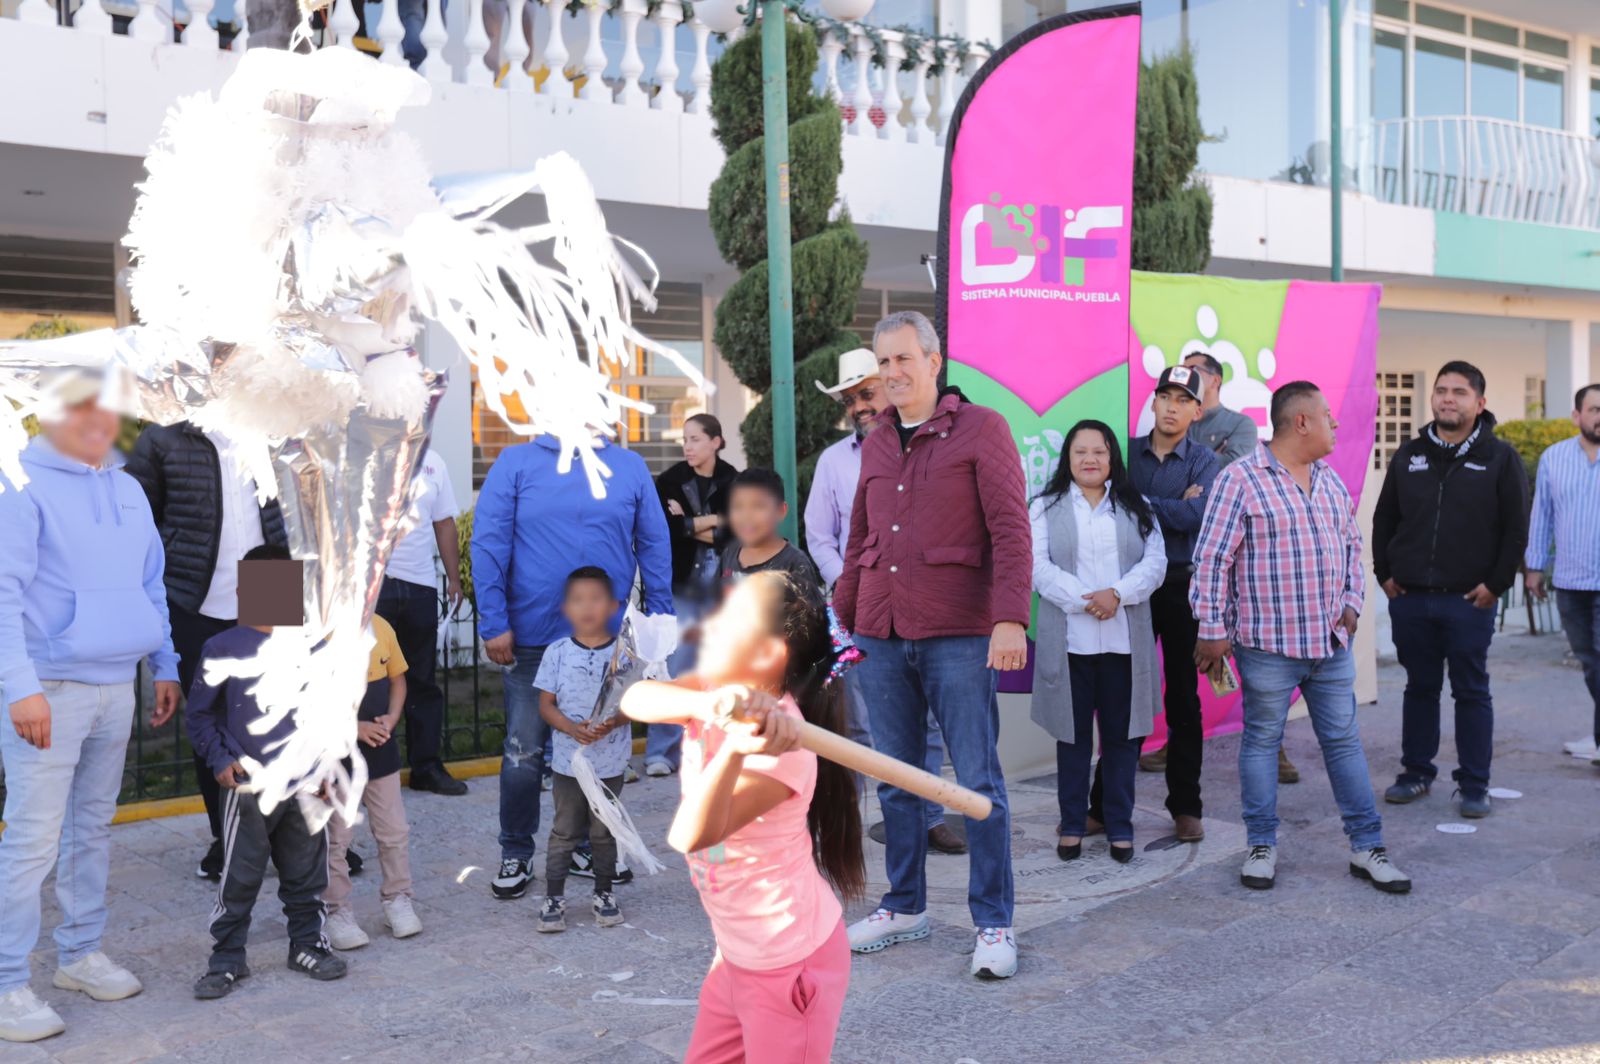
(1494, 956)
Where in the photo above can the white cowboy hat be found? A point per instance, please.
(854, 367)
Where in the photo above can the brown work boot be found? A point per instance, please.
(1091, 826)
(1287, 773)
(1189, 828)
(1154, 761)
(941, 838)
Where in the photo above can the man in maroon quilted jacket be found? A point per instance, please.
(936, 586)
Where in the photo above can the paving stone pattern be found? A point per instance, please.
(1494, 956)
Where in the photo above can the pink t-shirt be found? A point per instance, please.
(768, 903)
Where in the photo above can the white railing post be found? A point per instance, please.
(390, 31)
(700, 76)
(918, 131)
(344, 24)
(149, 25)
(861, 124)
(516, 50)
(434, 38)
(37, 12)
(555, 53)
(947, 93)
(92, 17)
(631, 67)
(594, 60)
(894, 47)
(241, 18)
(476, 43)
(199, 33)
(668, 15)
(832, 48)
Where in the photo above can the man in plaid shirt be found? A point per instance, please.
(1278, 582)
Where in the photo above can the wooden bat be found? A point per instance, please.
(870, 762)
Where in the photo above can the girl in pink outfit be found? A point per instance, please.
(769, 829)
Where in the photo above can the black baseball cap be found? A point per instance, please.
(1184, 379)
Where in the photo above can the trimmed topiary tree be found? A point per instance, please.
(829, 258)
(1171, 210)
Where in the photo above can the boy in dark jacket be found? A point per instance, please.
(1447, 538)
(219, 717)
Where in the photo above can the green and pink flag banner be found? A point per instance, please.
(1042, 317)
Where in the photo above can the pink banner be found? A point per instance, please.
(1038, 207)
(1265, 334)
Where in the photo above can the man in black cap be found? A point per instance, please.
(1175, 473)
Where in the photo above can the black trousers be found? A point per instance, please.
(301, 858)
(412, 610)
(1102, 685)
(570, 826)
(189, 634)
(1177, 630)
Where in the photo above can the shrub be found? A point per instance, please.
(464, 542)
(1171, 211)
(1533, 436)
(738, 206)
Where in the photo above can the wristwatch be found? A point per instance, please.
(1117, 593)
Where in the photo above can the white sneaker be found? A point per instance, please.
(1581, 748)
(1373, 865)
(658, 769)
(1260, 869)
(883, 929)
(99, 977)
(996, 954)
(401, 917)
(24, 1018)
(343, 932)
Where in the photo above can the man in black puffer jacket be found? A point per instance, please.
(1447, 539)
(205, 506)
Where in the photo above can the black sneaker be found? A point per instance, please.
(1404, 791)
(355, 862)
(436, 779)
(317, 961)
(1474, 806)
(512, 882)
(606, 912)
(215, 985)
(552, 916)
(582, 864)
(211, 864)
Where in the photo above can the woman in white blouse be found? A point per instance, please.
(1097, 558)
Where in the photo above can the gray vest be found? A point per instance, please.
(1052, 690)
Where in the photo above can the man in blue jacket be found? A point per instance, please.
(81, 603)
(532, 527)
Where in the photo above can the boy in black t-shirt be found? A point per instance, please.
(756, 507)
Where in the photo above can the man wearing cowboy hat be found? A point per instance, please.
(833, 492)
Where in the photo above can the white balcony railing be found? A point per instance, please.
(627, 53)
(1483, 166)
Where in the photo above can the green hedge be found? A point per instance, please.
(1533, 436)
(736, 87)
(738, 206)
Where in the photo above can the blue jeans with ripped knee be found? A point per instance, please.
(527, 751)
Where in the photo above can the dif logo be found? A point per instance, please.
(1056, 241)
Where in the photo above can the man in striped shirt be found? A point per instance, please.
(1566, 511)
(1278, 582)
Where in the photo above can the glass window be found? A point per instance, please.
(1594, 55)
(1440, 19)
(1539, 42)
(1388, 75)
(1441, 78)
(1594, 105)
(1400, 9)
(1498, 32)
(1494, 86)
(1542, 92)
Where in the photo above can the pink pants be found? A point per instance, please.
(786, 1015)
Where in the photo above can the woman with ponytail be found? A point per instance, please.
(770, 830)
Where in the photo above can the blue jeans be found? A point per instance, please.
(902, 680)
(413, 13)
(1433, 632)
(59, 804)
(1580, 617)
(858, 726)
(527, 752)
(1328, 685)
(1103, 683)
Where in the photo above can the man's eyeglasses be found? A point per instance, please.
(865, 395)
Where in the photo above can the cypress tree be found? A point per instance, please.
(1171, 209)
(829, 258)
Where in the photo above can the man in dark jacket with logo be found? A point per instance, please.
(1447, 538)
(203, 498)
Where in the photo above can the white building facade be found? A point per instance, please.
(1473, 192)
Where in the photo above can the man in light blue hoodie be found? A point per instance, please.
(81, 603)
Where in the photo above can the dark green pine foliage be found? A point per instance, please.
(1171, 210)
(829, 258)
